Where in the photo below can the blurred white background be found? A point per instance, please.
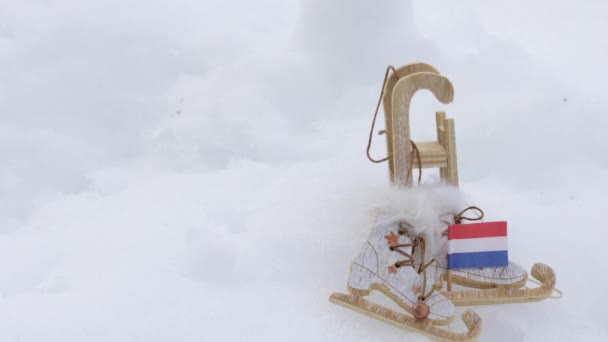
(195, 170)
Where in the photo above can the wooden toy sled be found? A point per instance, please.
(400, 88)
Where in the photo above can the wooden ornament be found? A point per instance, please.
(400, 88)
(399, 280)
(380, 266)
(387, 100)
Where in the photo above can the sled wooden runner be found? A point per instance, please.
(400, 88)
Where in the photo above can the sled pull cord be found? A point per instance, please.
(409, 169)
(371, 132)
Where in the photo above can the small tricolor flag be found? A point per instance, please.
(476, 245)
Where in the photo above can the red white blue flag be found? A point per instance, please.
(475, 245)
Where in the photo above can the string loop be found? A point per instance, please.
(385, 131)
(460, 216)
(371, 131)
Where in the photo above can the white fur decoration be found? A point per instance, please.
(429, 209)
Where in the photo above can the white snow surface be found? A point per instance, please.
(195, 170)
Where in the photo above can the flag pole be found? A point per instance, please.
(449, 280)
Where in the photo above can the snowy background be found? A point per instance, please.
(195, 170)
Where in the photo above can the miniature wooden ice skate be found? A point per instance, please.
(381, 266)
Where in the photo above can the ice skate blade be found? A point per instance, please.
(503, 294)
(435, 318)
(423, 326)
